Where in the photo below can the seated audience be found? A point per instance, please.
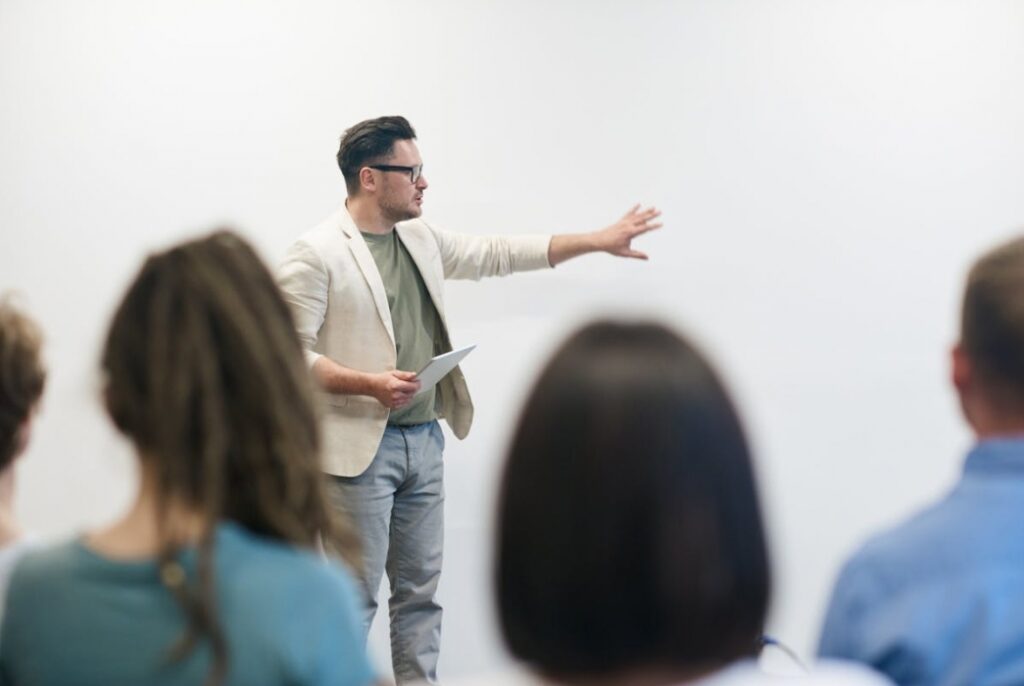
(21, 384)
(940, 598)
(631, 549)
(212, 576)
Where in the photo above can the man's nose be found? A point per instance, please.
(421, 182)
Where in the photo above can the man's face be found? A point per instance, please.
(397, 196)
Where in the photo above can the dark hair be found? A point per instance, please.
(205, 374)
(22, 377)
(370, 141)
(992, 321)
(630, 533)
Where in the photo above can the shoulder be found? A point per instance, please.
(39, 563)
(294, 574)
(824, 673)
(904, 553)
(841, 673)
(43, 576)
(418, 228)
(325, 235)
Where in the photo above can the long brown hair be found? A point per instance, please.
(205, 375)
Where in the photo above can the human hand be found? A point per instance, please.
(617, 239)
(394, 389)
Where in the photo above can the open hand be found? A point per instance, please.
(617, 239)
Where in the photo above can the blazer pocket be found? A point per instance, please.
(336, 399)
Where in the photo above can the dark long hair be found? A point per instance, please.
(205, 375)
(630, 534)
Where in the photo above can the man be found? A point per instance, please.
(366, 288)
(940, 599)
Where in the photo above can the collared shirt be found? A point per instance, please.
(940, 599)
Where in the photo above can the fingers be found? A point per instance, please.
(404, 376)
(402, 398)
(404, 387)
(400, 401)
(646, 227)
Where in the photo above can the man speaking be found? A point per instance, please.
(366, 290)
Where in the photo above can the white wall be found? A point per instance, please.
(827, 170)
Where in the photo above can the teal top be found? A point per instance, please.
(413, 318)
(76, 617)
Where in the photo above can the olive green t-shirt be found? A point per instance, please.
(413, 318)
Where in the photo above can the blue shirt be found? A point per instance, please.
(940, 599)
(75, 617)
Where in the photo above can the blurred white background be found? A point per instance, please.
(827, 170)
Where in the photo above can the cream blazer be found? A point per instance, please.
(337, 298)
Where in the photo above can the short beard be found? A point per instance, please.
(396, 213)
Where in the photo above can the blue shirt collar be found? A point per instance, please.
(996, 455)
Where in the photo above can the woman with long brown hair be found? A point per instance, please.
(212, 576)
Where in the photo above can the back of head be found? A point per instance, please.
(205, 375)
(367, 142)
(630, 534)
(22, 378)
(992, 324)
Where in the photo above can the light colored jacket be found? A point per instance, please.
(341, 310)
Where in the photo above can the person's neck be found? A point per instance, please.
(9, 527)
(368, 216)
(990, 419)
(143, 531)
(994, 431)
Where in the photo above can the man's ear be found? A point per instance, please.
(367, 179)
(961, 369)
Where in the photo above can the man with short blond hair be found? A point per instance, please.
(939, 600)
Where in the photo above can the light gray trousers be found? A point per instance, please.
(397, 504)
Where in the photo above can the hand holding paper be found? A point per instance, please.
(438, 367)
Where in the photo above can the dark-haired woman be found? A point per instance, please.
(631, 549)
(212, 576)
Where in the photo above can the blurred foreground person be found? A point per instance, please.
(631, 549)
(22, 378)
(211, 577)
(940, 599)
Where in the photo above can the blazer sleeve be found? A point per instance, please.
(466, 256)
(304, 282)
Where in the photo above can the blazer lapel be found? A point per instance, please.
(421, 255)
(368, 267)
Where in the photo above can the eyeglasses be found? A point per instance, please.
(413, 172)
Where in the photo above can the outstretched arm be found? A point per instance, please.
(616, 239)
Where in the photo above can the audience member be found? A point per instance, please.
(940, 599)
(211, 577)
(22, 378)
(631, 548)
